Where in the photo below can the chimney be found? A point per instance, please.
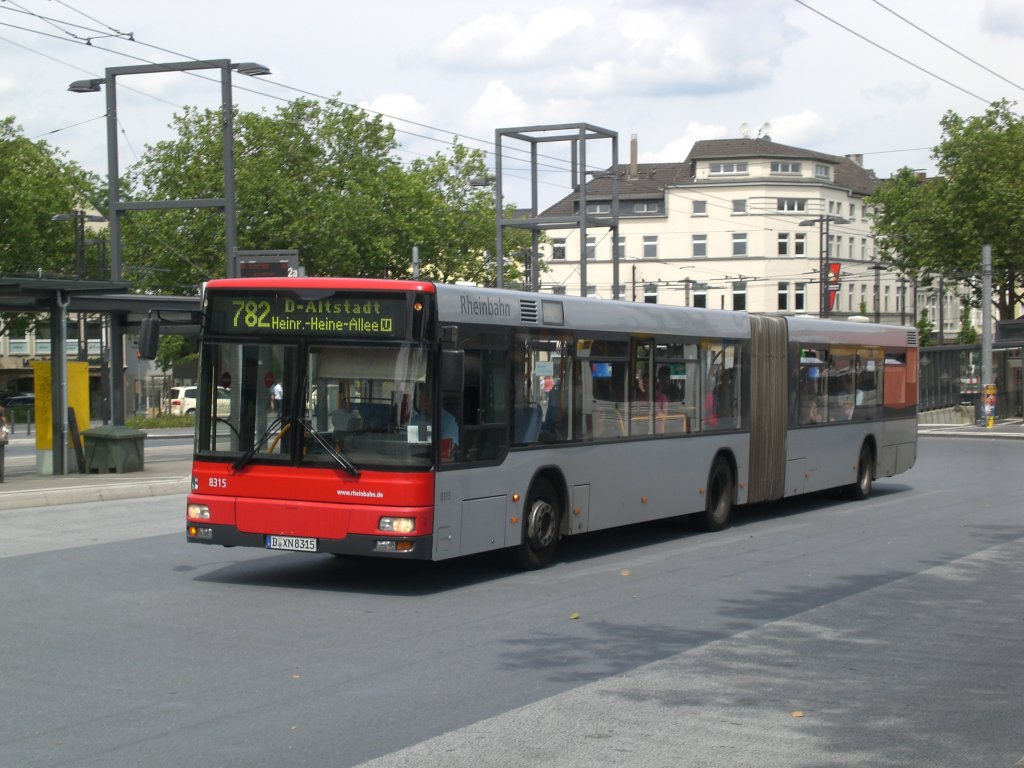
(633, 172)
(858, 159)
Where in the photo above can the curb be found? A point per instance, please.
(77, 494)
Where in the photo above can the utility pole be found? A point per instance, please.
(987, 378)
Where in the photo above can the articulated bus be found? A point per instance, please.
(416, 420)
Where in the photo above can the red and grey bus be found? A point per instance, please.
(427, 421)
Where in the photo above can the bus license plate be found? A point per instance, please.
(293, 543)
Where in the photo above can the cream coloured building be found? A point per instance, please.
(740, 224)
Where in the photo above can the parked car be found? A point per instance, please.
(181, 401)
(15, 400)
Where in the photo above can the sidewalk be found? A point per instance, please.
(167, 470)
(170, 471)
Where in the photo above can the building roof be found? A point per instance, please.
(652, 179)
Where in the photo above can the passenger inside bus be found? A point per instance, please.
(423, 417)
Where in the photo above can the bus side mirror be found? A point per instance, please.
(452, 366)
(149, 337)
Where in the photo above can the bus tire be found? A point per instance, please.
(718, 496)
(541, 525)
(861, 489)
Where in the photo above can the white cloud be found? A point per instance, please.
(676, 150)
(1003, 17)
(679, 51)
(505, 40)
(401, 106)
(799, 128)
(498, 105)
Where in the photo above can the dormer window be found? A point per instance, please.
(822, 171)
(786, 167)
(599, 207)
(728, 169)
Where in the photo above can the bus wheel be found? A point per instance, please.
(540, 527)
(718, 496)
(861, 489)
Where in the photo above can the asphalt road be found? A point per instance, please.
(819, 632)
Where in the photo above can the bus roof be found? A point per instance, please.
(519, 309)
(322, 283)
(488, 306)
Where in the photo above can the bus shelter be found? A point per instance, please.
(56, 298)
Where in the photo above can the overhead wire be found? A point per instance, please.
(892, 53)
(946, 45)
(555, 164)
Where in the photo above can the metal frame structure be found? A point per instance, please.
(578, 135)
(117, 206)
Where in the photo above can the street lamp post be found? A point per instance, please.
(877, 269)
(117, 206)
(824, 246)
(499, 245)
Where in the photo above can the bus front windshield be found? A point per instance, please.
(349, 405)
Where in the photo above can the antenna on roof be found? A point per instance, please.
(763, 131)
(744, 130)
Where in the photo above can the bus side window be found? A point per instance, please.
(485, 398)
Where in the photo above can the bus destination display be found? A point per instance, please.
(334, 315)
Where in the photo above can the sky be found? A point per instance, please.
(868, 77)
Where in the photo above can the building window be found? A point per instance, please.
(700, 246)
(831, 206)
(558, 290)
(700, 296)
(700, 207)
(739, 243)
(783, 296)
(620, 292)
(853, 211)
(791, 204)
(558, 249)
(849, 247)
(739, 296)
(591, 247)
(800, 244)
(621, 246)
(739, 206)
(783, 249)
(591, 290)
(863, 249)
(782, 167)
(650, 293)
(599, 208)
(822, 171)
(799, 297)
(646, 207)
(886, 306)
(724, 169)
(650, 246)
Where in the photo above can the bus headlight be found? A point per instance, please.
(197, 512)
(397, 524)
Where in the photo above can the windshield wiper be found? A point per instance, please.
(246, 457)
(342, 460)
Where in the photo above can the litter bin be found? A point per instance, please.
(114, 449)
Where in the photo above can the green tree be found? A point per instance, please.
(324, 179)
(925, 328)
(453, 222)
(967, 333)
(938, 227)
(36, 183)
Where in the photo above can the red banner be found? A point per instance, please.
(833, 285)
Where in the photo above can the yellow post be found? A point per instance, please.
(990, 405)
